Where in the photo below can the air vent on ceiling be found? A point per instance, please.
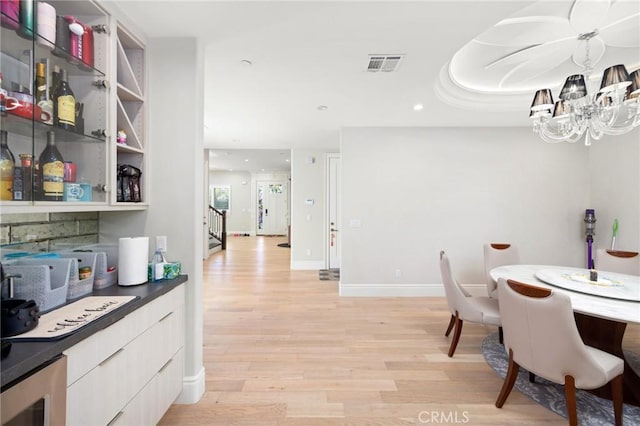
(384, 63)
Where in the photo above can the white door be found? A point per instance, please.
(333, 205)
(272, 208)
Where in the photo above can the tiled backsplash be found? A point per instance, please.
(36, 232)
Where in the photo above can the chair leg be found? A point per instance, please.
(570, 396)
(452, 321)
(500, 336)
(456, 335)
(509, 381)
(616, 392)
(532, 377)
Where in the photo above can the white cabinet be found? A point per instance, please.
(130, 114)
(110, 96)
(130, 372)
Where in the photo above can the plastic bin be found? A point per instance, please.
(106, 263)
(78, 287)
(45, 280)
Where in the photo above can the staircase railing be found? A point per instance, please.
(218, 225)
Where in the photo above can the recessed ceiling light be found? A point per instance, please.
(246, 63)
(246, 160)
(322, 107)
(286, 160)
(418, 107)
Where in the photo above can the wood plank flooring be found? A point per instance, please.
(281, 348)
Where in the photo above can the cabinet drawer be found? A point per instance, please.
(99, 395)
(148, 406)
(87, 354)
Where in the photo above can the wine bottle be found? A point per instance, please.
(55, 80)
(64, 104)
(7, 164)
(52, 170)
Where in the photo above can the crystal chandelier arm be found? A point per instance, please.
(548, 135)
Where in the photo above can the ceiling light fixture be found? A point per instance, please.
(613, 110)
(322, 107)
(418, 107)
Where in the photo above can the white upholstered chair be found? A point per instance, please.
(498, 254)
(540, 334)
(463, 306)
(624, 262)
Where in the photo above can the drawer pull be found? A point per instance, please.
(166, 316)
(115, 419)
(166, 364)
(113, 355)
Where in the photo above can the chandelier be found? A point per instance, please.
(613, 110)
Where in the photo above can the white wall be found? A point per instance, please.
(307, 220)
(416, 191)
(240, 215)
(615, 189)
(175, 176)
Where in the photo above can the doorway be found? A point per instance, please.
(333, 211)
(271, 205)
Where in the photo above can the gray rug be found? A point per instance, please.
(592, 410)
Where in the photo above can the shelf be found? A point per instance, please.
(20, 207)
(127, 95)
(27, 127)
(126, 75)
(124, 123)
(122, 148)
(20, 49)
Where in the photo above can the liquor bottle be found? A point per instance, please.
(3, 99)
(41, 82)
(42, 92)
(7, 164)
(27, 13)
(64, 104)
(52, 170)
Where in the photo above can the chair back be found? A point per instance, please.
(498, 254)
(453, 291)
(540, 328)
(623, 262)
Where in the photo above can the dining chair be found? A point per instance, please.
(541, 335)
(623, 262)
(464, 306)
(498, 254)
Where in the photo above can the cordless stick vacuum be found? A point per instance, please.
(590, 231)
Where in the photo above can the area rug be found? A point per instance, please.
(592, 410)
(332, 274)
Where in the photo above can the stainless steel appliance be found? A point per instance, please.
(38, 399)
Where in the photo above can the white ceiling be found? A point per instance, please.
(305, 54)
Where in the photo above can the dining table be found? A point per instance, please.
(603, 303)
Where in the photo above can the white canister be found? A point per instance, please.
(133, 255)
(46, 25)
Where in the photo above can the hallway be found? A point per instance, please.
(281, 348)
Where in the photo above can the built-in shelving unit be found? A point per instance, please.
(130, 102)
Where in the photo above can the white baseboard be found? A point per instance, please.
(404, 290)
(305, 265)
(192, 388)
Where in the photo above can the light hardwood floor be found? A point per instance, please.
(281, 348)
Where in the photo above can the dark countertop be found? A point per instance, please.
(27, 356)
